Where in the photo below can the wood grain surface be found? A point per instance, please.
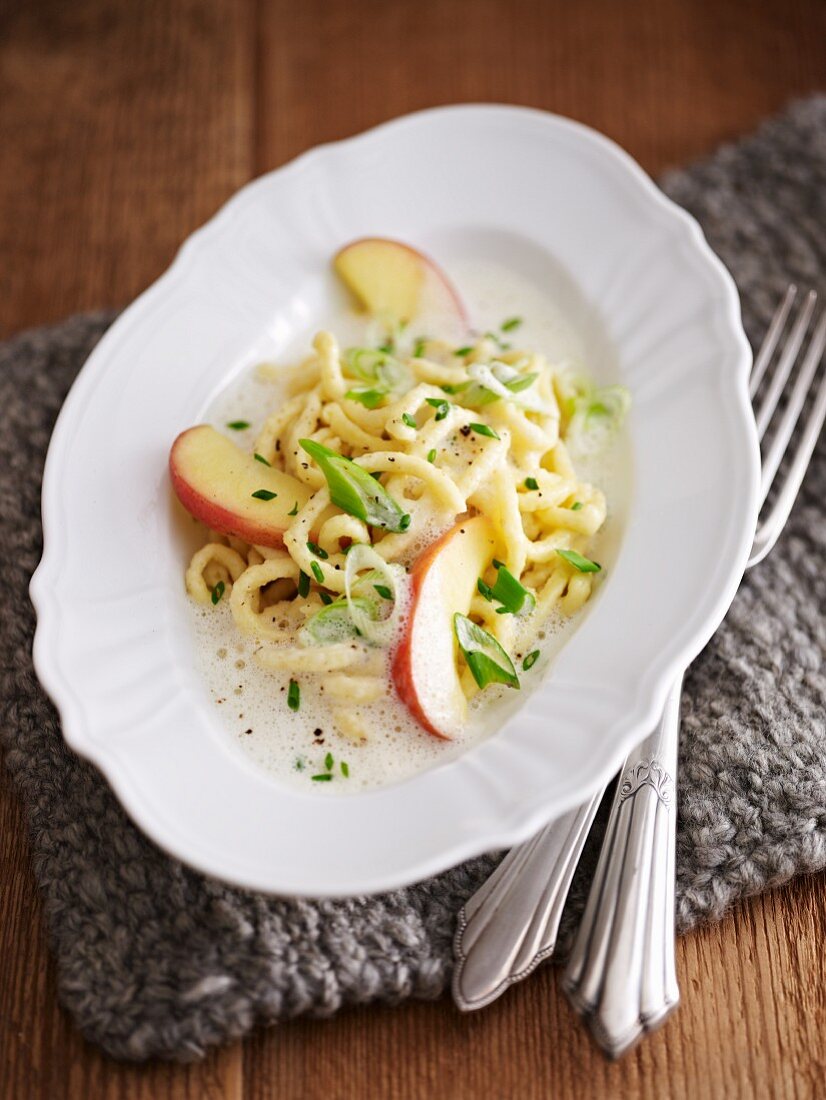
(123, 126)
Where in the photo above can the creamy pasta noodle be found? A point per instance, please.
(389, 545)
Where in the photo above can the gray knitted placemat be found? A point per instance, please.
(156, 960)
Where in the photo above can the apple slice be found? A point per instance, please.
(215, 481)
(391, 279)
(443, 580)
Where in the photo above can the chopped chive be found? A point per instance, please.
(218, 591)
(383, 591)
(264, 494)
(409, 420)
(419, 346)
(531, 483)
(326, 598)
(260, 458)
(294, 510)
(530, 660)
(464, 351)
(319, 553)
(511, 324)
(303, 584)
(238, 425)
(431, 455)
(294, 695)
(318, 573)
(345, 769)
(497, 339)
(485, 589)
(324, 778)
(484, 429)
(575, 507)
(328, 761)
(441, 406)
(584, 565)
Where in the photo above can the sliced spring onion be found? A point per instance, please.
(355, 491)
(530, 660)
(328, 761)
(486, 659)
(531, 483)
(511, 324)
(419, 347)
(375, 630)
(596, 415)
(264, 494)
(260, 458)
(454, 387)
(378, 369)
(409, 420)
(294, 510)
(345, 769)
(371, 398)
(500, 380)
(575, 507)
(325, 777)
(584, 565)
(513, 596)
(325, 598)
(238, 425)
(317, 550)
(334, 622)
(462, 352)
(303, 584)
(217, 592)
(318, 572)
(431, 455)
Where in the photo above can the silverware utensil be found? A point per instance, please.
(621, 974)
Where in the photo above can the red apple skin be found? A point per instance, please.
(402, 663)
(428, 263)
(220, 515)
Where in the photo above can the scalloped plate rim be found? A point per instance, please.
(652, 686)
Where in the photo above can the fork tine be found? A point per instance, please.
(770, 341)
(791, 413)
(784, 367)
(770, 529)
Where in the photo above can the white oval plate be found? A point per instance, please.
(113, 644)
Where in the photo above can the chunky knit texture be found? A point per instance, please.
(156, 960)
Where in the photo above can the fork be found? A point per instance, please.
(621, 974)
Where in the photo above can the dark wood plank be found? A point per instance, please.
(749, 1025)
(667, 79)
(122, 127)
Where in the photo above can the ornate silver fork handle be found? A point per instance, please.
(509, 926)
(621, 973)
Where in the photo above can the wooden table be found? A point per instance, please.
(125, 126)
